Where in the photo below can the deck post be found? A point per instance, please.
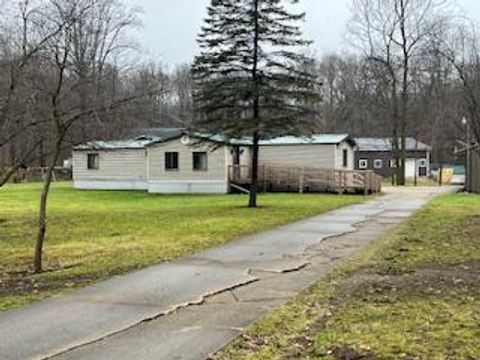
(366, 183)
(301, 182)
(264, 178)
(340, 182)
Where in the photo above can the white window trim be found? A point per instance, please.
(363, 164)
(376, 162)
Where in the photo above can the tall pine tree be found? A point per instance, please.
(252, 78)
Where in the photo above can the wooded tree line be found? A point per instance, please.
(69, 73)
(416, 74)
(362, 93)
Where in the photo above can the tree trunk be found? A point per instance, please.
(256, 113)
(403, 118)
(42, 215)
(254, 180)
(395, 146)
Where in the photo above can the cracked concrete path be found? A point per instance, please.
(193, 307)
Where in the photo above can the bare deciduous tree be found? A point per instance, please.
(394, 33)
(71, 82)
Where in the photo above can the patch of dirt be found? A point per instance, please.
(441, 281)
(346, 353)
(26, 283)
(299, 346)
(445, 281)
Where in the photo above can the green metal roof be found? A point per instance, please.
(316, 139)
(146, 137)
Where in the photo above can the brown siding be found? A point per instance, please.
(386, 171)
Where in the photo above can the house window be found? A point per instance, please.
(378, 164)
(363, 163)
(200, 161)
(171, 161)
(393, 163)
(93, 162)
(345, 158)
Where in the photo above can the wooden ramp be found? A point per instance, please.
(277, 178)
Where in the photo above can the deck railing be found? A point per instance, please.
(307, 179)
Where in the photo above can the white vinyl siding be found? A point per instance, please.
(321, 156)
(216, 159)
(350, 156)
(113, 165)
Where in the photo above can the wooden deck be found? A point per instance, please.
(277, 178)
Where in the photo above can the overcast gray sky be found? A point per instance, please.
(170, 27)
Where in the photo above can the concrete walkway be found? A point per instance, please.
(191, 308)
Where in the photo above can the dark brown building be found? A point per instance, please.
(377, 154)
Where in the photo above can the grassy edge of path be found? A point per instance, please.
(95, 235)
(411, 295)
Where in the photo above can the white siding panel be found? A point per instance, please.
(110, 185)
(114, 165)
(321, 156)
(351, 156)
(216, 159)
(188, 187)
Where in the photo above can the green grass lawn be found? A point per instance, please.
(94, 235)
(414, 294)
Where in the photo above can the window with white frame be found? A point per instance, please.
(363, 164)
(378, 163)
(393, 163)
